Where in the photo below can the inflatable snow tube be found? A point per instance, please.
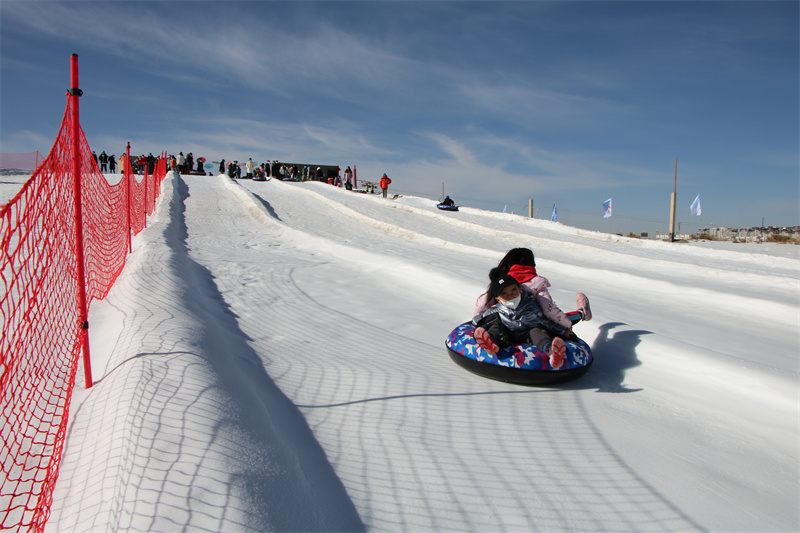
(445, 207)
(523, 364)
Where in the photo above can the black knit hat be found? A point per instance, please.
(501, 283)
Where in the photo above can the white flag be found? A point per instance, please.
(697, 209)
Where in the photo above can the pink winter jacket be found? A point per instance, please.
(537, 285)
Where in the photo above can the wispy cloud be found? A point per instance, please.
(22, 140)
(528, 104)
(177, 44)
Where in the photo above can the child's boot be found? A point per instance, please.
(557, 352)
(485, 341)
(583, 306)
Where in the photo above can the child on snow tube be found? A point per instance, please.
(516, 318)
(521, 265)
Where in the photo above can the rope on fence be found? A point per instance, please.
(39, 316)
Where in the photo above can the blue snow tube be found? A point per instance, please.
(523, 364)
(445, 207)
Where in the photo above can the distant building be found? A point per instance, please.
(756, 234)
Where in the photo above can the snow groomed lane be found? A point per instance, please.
(712, 294)
(184, 429)
(320, 305)
(273, 346)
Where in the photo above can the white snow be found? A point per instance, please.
(272, 359)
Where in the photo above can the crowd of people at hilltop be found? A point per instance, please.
(286, 172)
(282, 171)
(188, 164)
(292, 172)
(183, 164)
(139, 163)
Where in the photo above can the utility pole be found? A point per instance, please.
(672, 206)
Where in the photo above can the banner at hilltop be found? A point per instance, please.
(607, 208)
(697, 209)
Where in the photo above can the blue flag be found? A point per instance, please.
(697, 209)
(554, 216)
(607, 208)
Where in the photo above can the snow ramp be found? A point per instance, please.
(304, 327)
(185, 430)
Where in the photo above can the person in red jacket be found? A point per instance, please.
(384, 184)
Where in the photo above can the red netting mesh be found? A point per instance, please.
(39, 308)
(27, 160)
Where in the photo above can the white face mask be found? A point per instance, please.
(512, 303)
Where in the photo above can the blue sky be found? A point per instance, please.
(563, 102)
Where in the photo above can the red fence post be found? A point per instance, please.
(355, 178)
(127, 179)
(144, 183)
(75, 94)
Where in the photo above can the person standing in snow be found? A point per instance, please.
(181, 163)
(249, 166)
(222, 167)
(348, 179)
(520, 263)
(112, 164)
(384, 184)
(103, 158)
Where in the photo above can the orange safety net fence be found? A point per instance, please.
(39, 309)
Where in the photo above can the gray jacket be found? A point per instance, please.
(526, 316)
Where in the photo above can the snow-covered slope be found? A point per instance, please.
(272, 358)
